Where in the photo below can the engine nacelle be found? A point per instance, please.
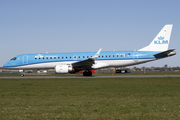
(63, 69)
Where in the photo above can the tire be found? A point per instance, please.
(89, 73)
(22, 75)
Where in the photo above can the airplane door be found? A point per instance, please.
(135, 56)
(25, 59)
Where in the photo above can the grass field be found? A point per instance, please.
(86, 98)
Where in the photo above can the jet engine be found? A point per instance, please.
(64, 69)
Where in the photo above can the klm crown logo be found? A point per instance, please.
(160, 41)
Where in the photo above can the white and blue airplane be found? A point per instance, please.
(86, 61)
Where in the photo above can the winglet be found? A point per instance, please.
(96, 55)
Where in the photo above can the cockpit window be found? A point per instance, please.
(14, 58)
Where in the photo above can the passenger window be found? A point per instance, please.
(35, 58)
(62, 57)
(54, 57)
(109, 56)
(117, 55)
(83, 56)
(99, 56)
(87, 56)
(58, 57)
(43, 57)
(79, 56)
(39, 58)
(121, 55)
(106, 55)
(46, 57)
(102, 56)
(50, 57)
(113, 55)
(70, 57)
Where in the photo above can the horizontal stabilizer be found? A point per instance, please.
(165, 52)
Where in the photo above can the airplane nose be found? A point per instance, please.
(6, 65)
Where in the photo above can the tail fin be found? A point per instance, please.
(161, 41)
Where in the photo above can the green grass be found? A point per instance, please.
(86, 98)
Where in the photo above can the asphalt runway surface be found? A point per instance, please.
(119, 76)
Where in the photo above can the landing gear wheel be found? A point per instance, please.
(22, 75)
(87, 73)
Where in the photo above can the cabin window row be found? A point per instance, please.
(61, 57)
(114, 56)
(82, 57)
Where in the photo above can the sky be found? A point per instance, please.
(39, 26)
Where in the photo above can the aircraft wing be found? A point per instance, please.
(86, 64)
(165, 52)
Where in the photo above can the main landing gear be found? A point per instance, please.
(87, 73)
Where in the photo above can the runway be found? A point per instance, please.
(119, 76)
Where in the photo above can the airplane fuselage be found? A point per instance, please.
(109, 59)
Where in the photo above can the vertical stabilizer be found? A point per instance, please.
(161, 41)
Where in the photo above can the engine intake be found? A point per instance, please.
(63, 69)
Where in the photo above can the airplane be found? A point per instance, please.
(87, 61)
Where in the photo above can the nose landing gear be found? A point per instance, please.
(22, 74)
